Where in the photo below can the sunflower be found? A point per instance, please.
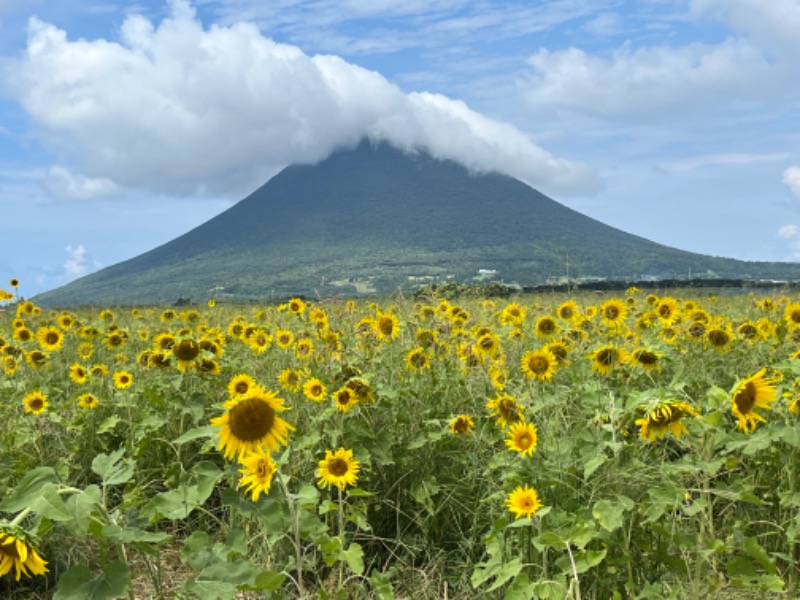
(37, 359)
(50, 339)
(14, 283)
(314, 390)
(792, 315)
(749, 331)
(505, 409)
(498, 375)
(417, 359)
(115, 340)
(665, 418)
(360, 387)
(211, 303)
(168, 315)
(719, 338)
(304, 349)
(461, 425)
(613, 312)
(338, 468)
(9, 365)
(240, 384)
(99, 370)
(522, 438)
(236, 329)
(386, 326)
(567, 311)
(208, 366)
(668, 310)
(35, 402)
(539, 364)
(644, 358)
(289, 379)
(523, 502)
(606, 358)
(17, 552)
(23, 334)
(546, 327)
(697, 330)
(757, 391)
(65, 321)
(345, 399)
(513, 315)
(122, 379)
(560, 350)
(87, 400)
(257, 471)
(297, 306)
(488, 345)
(284, 338)
(186, 350)
(78, 374)
(251, 422)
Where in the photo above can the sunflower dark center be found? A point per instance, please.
(186, 350)
(337, 467)
(717, 337)
(461, 425)
(52, 337)
(343, 397)
(538, 364)
(251, 419)
(418, 360)
(566, 313)
(36, 403)
(241, 387)
(547, 326)
(746, 398)
(607, 356)
(748, 331)
(646, 357)
(386, 326)
(10, 549)
(611, 312)
(524, 441)
(794, 316)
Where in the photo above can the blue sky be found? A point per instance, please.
(124, 125)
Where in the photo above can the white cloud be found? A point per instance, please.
(78, 263)
(730, 159)
(650, 81)
(180, 109)
(64, 184)
(791, 179)
(788, 231)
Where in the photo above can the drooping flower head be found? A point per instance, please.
(257, 471)
(17, 552)
(666, 417)
(757, 391)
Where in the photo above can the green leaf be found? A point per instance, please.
(269, 580)
(49, 504)
(508, 571)
(210, 590)
(593, 464)
(382, 584)
(610, 515)
(29, 488)
(207, 431)
(354, 557)
(193, 491)
(112, 469)
(126, 535)
(757, 552)
(549, 539)
(521, 588)
(80, 507)
(77, 583)
(108, 424)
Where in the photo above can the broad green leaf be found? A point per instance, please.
(80, 507)
(269, 580)
(29, 488)
(112, 469)
(108, 424)
(757, 552)
(521, 588)
(210, 589)
(78, 583)
(207, 431)
(508, 571)
(593, 464)
(354, 557)
(610, 515)
(50, 504)
(126, 535)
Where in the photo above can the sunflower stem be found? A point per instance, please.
(341, 534)
(298, 549)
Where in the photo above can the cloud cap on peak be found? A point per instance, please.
(181, 109)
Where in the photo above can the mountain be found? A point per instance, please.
(375, 219)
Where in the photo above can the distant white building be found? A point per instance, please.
(487, 272)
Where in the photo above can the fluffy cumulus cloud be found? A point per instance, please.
(791, 179)
(754, 64)
(787, 232)
(78, 262)
(179, 108)
(61, 182)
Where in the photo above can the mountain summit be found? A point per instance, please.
(374, 219)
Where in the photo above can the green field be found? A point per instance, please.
(555, 446)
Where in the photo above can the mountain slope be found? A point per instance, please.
(375, 218)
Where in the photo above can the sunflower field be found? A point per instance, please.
(555, 446)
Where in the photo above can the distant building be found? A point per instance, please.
(487, 272)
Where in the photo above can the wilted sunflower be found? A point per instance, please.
(757, 391)
(523, 438)
(605, 359)
(345, 399)
(539, 364)
(461, 425)
(665, 418)
(122, 379)
(257, 471)
(35, 402)
(314, 390)
(17, 553)
(613, 312)
(251, 422)
(78, 374)
(523, 502)
(338, 468)
(505, 409)
(417, 359)
(50, 339)
(87, 400)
